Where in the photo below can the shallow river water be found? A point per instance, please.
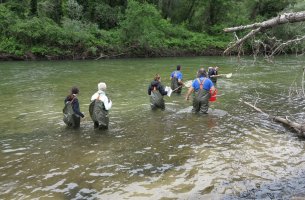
(234, 152)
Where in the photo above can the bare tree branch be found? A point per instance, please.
(299, 128)
(281, 19)
(240, 41)
(258, 27)
(284, 44)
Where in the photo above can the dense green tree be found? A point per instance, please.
(267, 8)
(57, 10)
(33, 7)
(73, 10)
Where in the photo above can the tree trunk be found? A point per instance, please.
(281, 19)
(258, 27)
(298, 128)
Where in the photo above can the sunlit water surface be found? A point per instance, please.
(233, 152)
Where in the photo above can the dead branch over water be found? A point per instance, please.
(298, 128)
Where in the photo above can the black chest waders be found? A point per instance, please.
(201, 99)
(175, 84)
(99, 114)
(156, 100)
(70, 118)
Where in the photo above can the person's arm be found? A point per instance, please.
(212, 90)
(171, 77)
(189, 92)
(161, 90)
(149, 90)
(180, 77)
(107, 102)
(94, 97)
(75, 106)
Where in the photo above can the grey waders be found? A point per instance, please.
(175, 84)
(156, 100)
(99, 114)
(70, 118)
(201, 99)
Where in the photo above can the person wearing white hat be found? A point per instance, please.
(99, 107)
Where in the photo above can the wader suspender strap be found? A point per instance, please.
(72, 99)
(201, 83)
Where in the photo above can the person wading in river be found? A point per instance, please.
(201, 87)
(176, 80)
(99, 107)
(71, 110)
(213, 74)
(156, 92)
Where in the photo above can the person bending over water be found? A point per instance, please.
(71, 110)
(201, 87)
(99, 107)
(156, 92)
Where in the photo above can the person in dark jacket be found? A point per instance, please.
(156, 92)
(213, 74)
(71, 110)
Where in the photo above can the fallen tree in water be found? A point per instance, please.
(256, 28)
(298, 128)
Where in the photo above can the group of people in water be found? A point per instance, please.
(202, 87)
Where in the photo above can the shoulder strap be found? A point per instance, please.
(201, 83)
(72, 100)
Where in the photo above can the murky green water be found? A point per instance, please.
(233, 152)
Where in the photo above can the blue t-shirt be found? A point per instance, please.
(177, 74)
(206, 85)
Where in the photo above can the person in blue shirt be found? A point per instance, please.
(176, 80)
(156, 92)
(202, 87)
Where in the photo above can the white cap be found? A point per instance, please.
(101, 86)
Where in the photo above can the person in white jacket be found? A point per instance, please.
(99, 107)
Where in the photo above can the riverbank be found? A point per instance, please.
(136, 53)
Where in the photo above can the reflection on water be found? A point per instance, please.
(231, 153)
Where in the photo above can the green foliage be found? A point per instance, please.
(33, 7)
(51, 9)
(11, 46)
(81, 27)
(145, 31)
(105, 15)
(73, 10)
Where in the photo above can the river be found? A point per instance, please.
(233, 152)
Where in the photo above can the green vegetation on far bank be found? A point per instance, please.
(81, 29)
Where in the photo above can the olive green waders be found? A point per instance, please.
(156, 100)
(201, 101)
(70, 118)
(99, 114)
(175, 84)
